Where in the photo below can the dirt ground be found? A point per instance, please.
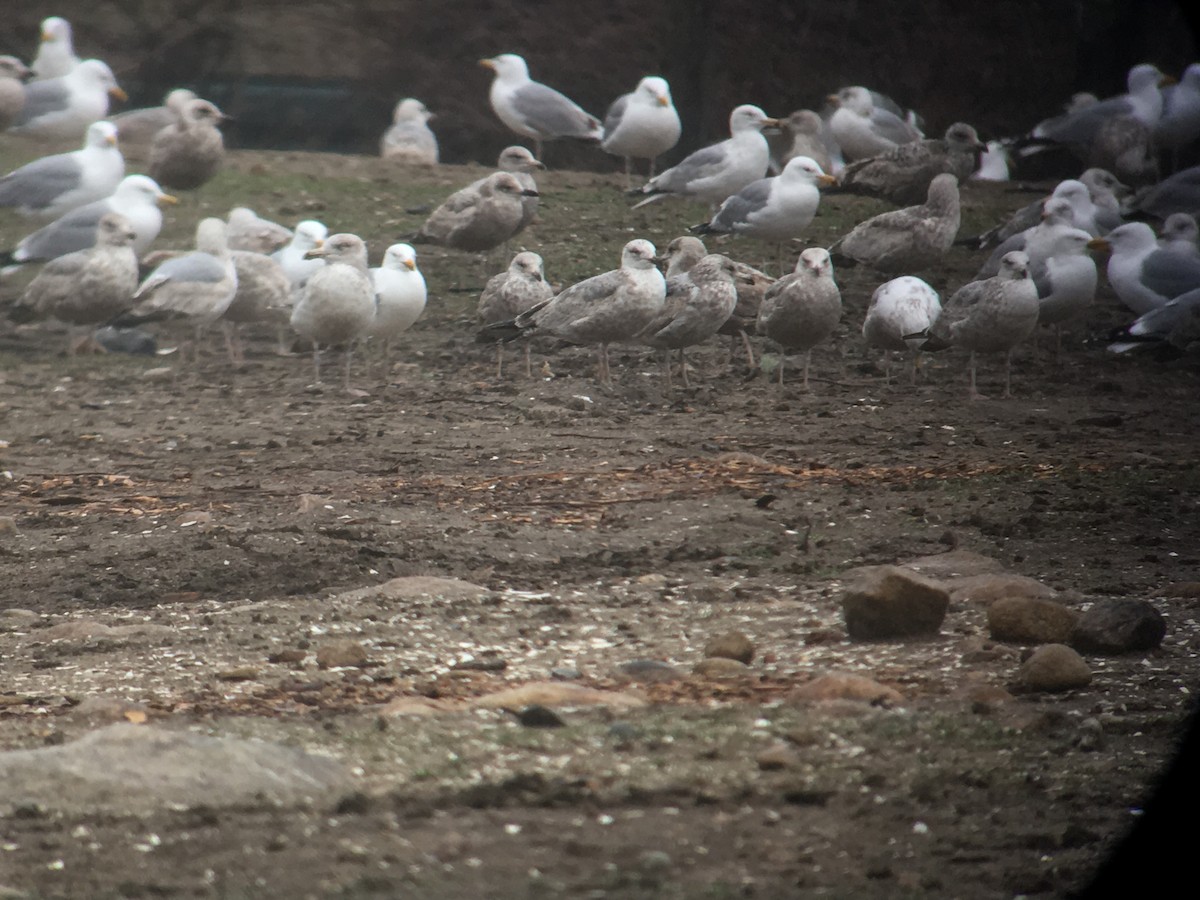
(233, 507)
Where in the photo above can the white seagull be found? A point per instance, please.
(532, 109)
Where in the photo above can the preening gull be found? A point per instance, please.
(337, 305)
(63, 107)
(802, 309)
(508, 294)
(719, 170)
(901, 308)
(908, 238)
(696, 305)
(245, 230)
(137, 127)
(862, 128)
(1175, 325)
(532, 109)
(136, 198)
(603, 309)
(12, 89)
(294, 259)
(902, 175)
(989, 316)
(642, 124)
(409, 139)
(1180, 234)
(773, 209)
(803, 133)
(520, 163)
(478, 219)
(54, 185)
(400, 296)
(56, 52)
(1144, 275)
(189, 152)
(90, 286)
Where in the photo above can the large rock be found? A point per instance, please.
(893, 602)
(1119, 626)
(1029, 620)
(986, 589)
(1053, 668)
(134, 769)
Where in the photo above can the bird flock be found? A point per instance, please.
(765, 181)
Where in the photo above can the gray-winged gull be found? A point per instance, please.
(532, 109)
(63, 108)
(1179, 124)
(899, 309)
(902, 175)
(1065, 277)
(802, 309)
(409, 138)
(506, 295)
(337, 305)
(863, 129)
(12, 89)
(720, 170)
(1177, 193)
(908, 238)
(56, 52)
(642, 124)
(190, 152)
(246, 230)
(1175, 325)
(773, 209)
(54, 185)
(478, 219)
(1058, 214)
(1143, 101)
(400, 296)
(294, 259)
(1145, 276)
(1180, 234)
(989, 316)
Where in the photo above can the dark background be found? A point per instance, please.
(324, 76)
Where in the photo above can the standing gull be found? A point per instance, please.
(338, 302)
(803, 133)
(12, 89)
(54, 185)
(902, 175)
(899, 309)
(56, 52)
(1179, 124)
(532, 109)
(63, 108)
(506, 295)
(400, 296)
(244, 230)
(137, 127)
(264, 294)
(1058, 214)
(989, 316)
(863, 129)
(1084, 212)
(603, 309)
(719, 170)
(802, 309)
(1065, 277)
(190, 152)
(478, 219)
(642, 124)
(1144, 275)
(909, 238)
(1143, 101)
(409, 139)
(294, 259)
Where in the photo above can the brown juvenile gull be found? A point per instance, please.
(89, 287)
(189, 152)
(802, 309)
(12, 89)
(56, 52)
(520, 163)
(902, 175)
(409, 139)
(697, 304)
(478, 219)
(800, 134)
(899, 309)
(337, 305)
(54, 185)
(506, 295)
(62, 108)
(245, 230)
(532, 109)
(715, 172)
(989, 316)
(603, 309)
(136, 128)
(910, 238)
(864, 129)
(641, 124)
(264, 294)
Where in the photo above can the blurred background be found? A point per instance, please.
(325, 76)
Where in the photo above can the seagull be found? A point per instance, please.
(338, 302)
(995, 163)
(520, 163)
(1175, 325)
(54, 185)
(136, 128)
(1180, 234)
(614, 306)
(478, 219)
(1058, 215)
(64, 107)
(1144, 275)
(532, 109)
(1143, 101)
(294, 259)
(803, 133)
(89, 287)
(863, 129)
(642, 124)
(1179, 124)
(899, 309)
(1085, 213)
(508, 294)
(989, 316)
(56, 53)
(902, 175)
(409, 139)
(1177, 193)
(802, 309)
(264, 294)
(190, 152)
(400, 295)
(1065, 278)
(244, 230)
(773, 209)
(909, 238)
(12, 89)
(720, 170)
(696, 305)
(136, 197)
